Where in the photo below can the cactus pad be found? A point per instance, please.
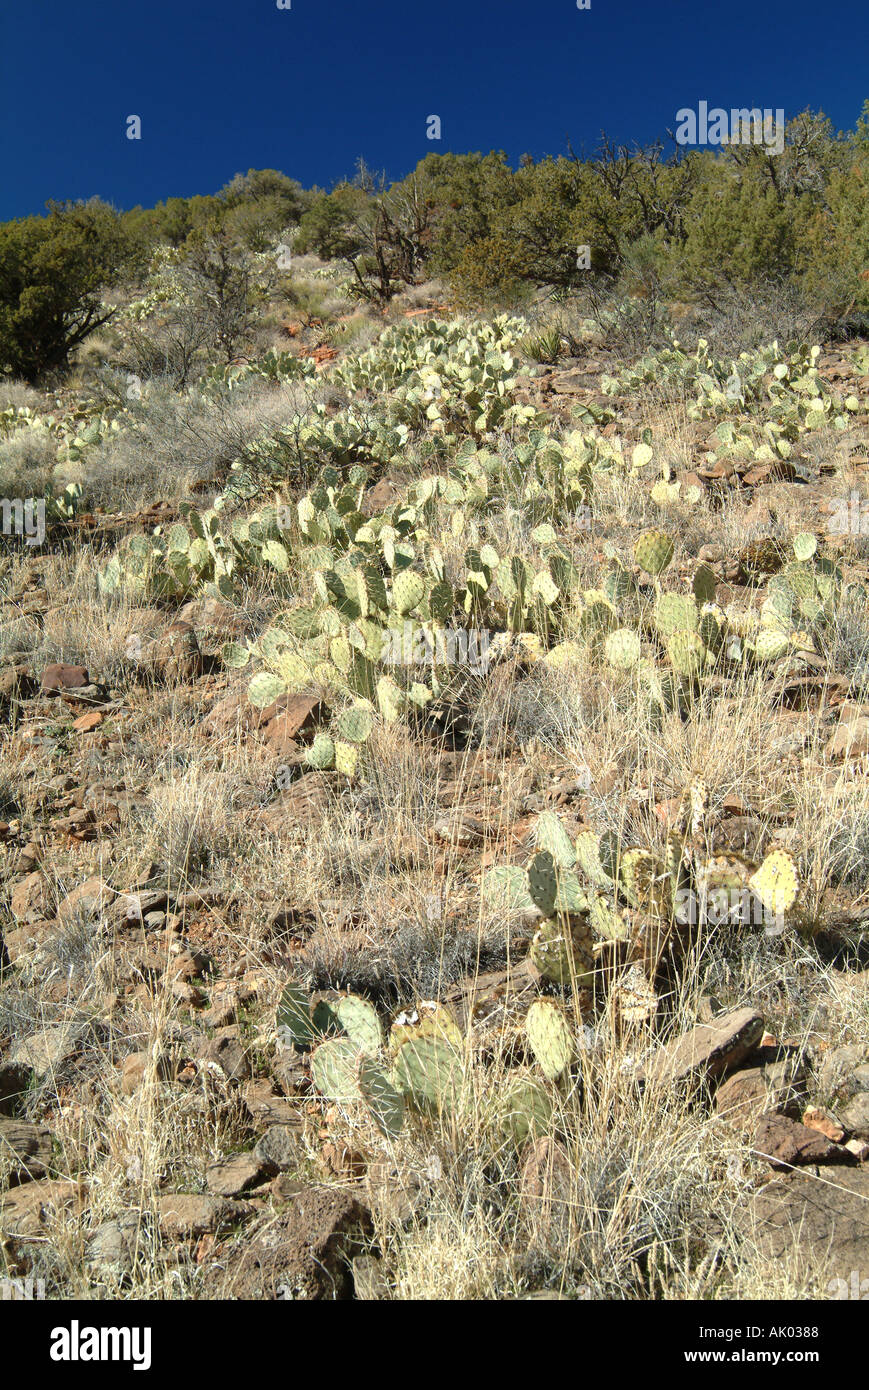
(359, 1020)
(653, 551)
(549, 1037)
(776, 883)
(428, 1071)
(622, 648)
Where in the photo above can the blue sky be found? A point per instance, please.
(227, 85)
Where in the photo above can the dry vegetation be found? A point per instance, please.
(146, 1047)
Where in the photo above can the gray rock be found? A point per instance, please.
(111, 1249)
(278, 1148)
(229, 1177)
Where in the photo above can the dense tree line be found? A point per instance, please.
(693, 224)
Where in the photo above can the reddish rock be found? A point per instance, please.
(229, 715)
(292, 717)
(61, 677)
(816, 1118)
(89, 899)
(30, 901)
(175, 656)
(850, 738)
(229, 1177)
(785, 1143)
(26, 1211)
(86, 722)
(183, 1215)
(707, 1049)
(303, 1253)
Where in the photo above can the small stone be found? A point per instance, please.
(47, 1050)
(86, 722)
(824, 1224)
(277, 1149)
(292, 719)
(226, 1050)
(229, 1177)
(850, 739)
(183, 1215)
(111, 1249)
(859, 1148)
(133, 1072)
(86, 901)
(855, 1115)
(25, 1212)
(25, 1150)
(30, 900)
(821, 1120)
(707, 1049)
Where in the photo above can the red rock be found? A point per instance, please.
(815, 1118)
(786, 1143)
(61, 677)
(30, 899)
(86, 722)
(292, 718)
(850, 738)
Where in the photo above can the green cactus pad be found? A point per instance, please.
(641, 875)
(428, 1072)
(293, 1019)
(653, 551)
(704, 585)
(507, 886)
(346, 758)
(408, 590)
(234, 656)
(687, 653)
(359, 1020)
(588, 859)
(676, 613)
(264, 689)
(333, 1069)
(770, 645)
(355, 725)
(549, 1037)
(384, 1102)
(550, 834)
(321, 754)
(525, 1109)
(622, 648)
(543, 882)
(429, 1019)
(606, 923)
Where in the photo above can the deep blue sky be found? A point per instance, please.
(227, 85)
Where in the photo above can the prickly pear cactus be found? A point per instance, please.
(561, 949)
(525, 1107)
(653, 551)
(428, 1071)
(549, 1037)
